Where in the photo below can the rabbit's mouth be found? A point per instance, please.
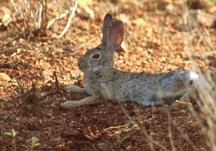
(87, 68)
(84, 66)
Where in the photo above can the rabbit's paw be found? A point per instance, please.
(73, 88)
(69, 104)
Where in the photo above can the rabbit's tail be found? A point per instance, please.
(189, 78)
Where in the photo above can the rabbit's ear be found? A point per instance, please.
(106, 24)
(115, 35)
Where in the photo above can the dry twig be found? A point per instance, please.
(72, 10)
(56, 80)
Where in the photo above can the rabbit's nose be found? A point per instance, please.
(79, 65)
(79, 61)
(82, 64)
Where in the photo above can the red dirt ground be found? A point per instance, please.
(154, 42)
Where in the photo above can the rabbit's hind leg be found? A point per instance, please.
(86, 101)
(176, 85)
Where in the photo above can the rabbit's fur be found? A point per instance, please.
(103, 80)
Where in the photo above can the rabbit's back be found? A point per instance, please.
(139, 87)
(157, 89)
(143, 88)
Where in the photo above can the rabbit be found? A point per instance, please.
(104, 82)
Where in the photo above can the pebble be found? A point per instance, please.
(104, 146)
(4, 79)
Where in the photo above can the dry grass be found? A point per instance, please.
(30, 19)
(206, 87)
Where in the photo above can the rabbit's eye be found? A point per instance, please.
(96, 56)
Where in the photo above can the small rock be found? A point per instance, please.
(170, 9)
(71, 133)
(4, 79)
(128, 147)
(198, 4)
(139, 22)
(105, 146)
(5, 16)
(7, 19)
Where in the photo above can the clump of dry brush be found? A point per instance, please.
(205, 95)
(206, 99)
(25, 18)
(30, 18)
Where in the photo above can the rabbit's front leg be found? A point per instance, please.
(73, 88)
(86, 101)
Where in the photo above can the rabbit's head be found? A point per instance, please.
(101, 57)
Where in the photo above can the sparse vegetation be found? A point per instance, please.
(41, 42)
(31, 18)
